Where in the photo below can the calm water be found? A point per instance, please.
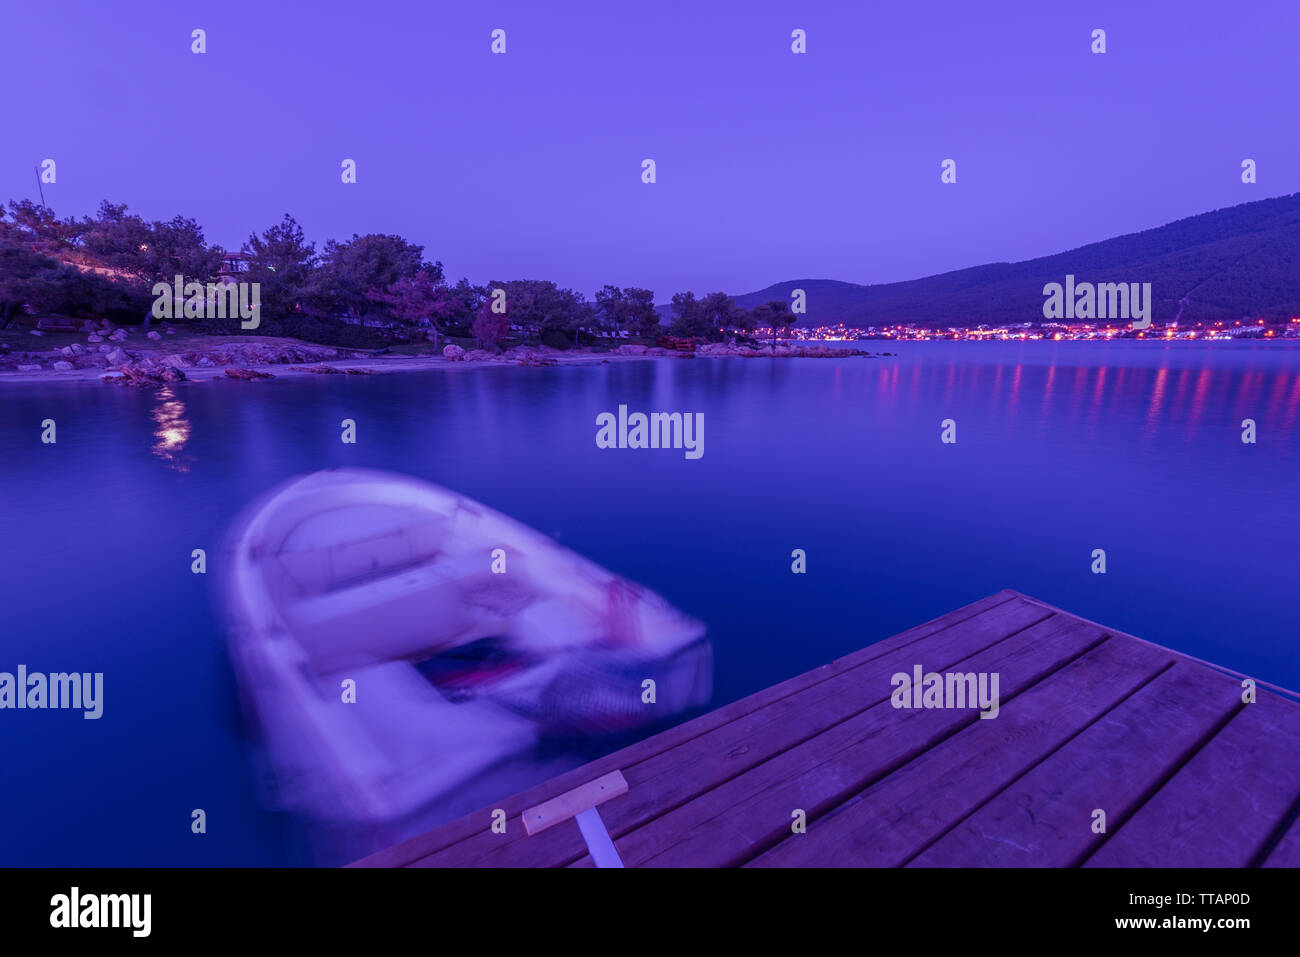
(1062, 448)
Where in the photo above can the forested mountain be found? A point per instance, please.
(1243, 261)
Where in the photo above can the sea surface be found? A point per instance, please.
(1062, 448)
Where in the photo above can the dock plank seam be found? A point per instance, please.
(1046, 757)
(883, 825)
(835, 724)
(669, 807)
(1206, 799)
(835, 742)
(1168, 775)
(1113, 763)
(1285, 849)
(1278, 835)
(902, 762)
(628, 827)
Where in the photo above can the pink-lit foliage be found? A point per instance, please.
(490, 328)
(417, 299)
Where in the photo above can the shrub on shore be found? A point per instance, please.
(326, 332)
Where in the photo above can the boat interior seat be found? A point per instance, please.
(315, 569)
(407, 615)
(558, 622)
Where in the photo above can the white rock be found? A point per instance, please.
(35, 332)
(94, 338)
(153, 335)
(30, 368)
(716, 349)
(63, 366)
(77, 349)
(205, 363)
(117, 357)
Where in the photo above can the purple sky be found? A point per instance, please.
(771, 166)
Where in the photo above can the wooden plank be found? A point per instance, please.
(739, 819)
(703, 762)
(1287, 852)
(592, 794)
(964, 616)
(670, 777)
(477, 822)
(746, 743)
(1287, 693)
(1045, 818)
(1222, 807)
(895, 819)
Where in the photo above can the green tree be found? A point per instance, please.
(178, 247)
(701, 318)
(640, 317)
(716, 312)
(466, 299)
(611, 308)
(541, 308)
(742, 319)
(282, 262)
(120, 239)
(31, 280)
(36, 225)
(687, 316)
(351, 271)
(776, 314)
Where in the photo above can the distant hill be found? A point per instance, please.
(1243, 261)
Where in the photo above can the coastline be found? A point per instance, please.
(267, 357)
(283, 370)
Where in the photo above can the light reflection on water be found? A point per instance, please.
(172, 432)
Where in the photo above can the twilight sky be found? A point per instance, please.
(771, 165)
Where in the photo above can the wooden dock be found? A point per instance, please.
(1186, 773)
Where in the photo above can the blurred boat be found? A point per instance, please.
(380, 588)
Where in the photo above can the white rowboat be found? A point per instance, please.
(395, 640)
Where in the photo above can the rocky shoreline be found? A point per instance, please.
(128, 356)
